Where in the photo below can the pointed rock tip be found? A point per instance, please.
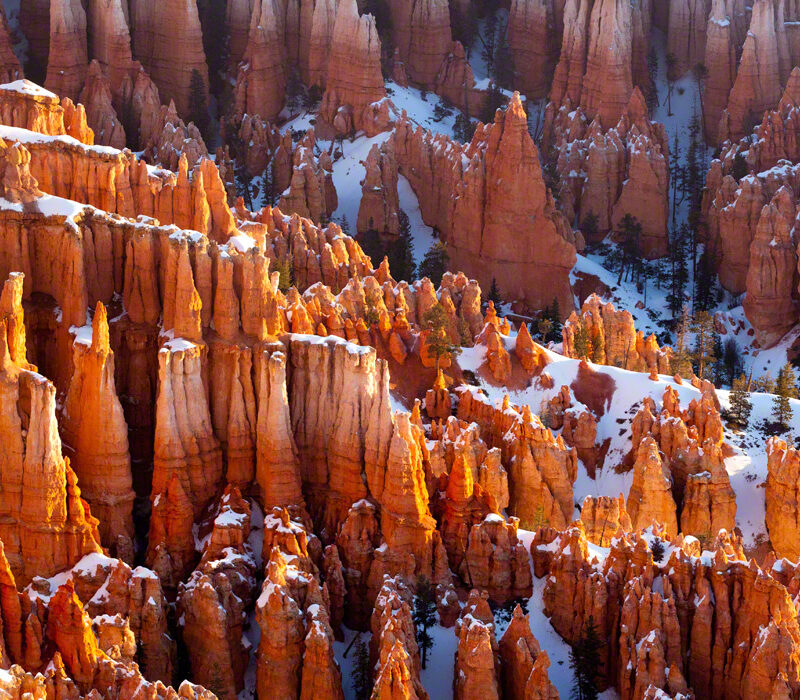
(100, 341)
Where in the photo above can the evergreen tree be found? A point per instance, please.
(401, 251)
(198, 104)
(494, 99)
(435, 263)
(437, 341)
(555, 320)
(584, 660)
(629, 236)
(731, 359)
(494, 294)
(785, 389)
(681, 362)
(424, 616)
(582, 343)
(678, 270)
(672, 62)
(657, 548)
(740, 168)
(361, 676)
(703, 329)
(705, 284)
(739, 413)
(284, 267)
(590, 227)
(463, 128)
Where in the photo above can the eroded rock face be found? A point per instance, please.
(603, 517)
(213, 601)
(763, 68)
(10, 69)
(614, 339)
(421, 33)
(379, 199)
(96, 435)
(650, 498)
(783, 467)
(477, 662)
(534, 43)
(66, 65)
(168, 41)
(261, 81)
(607, 173)
(498, 182)
(46, 525)
(354, 80)
(641, 607)
(524, 665)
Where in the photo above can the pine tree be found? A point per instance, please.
(284, 267)
(584, 660)
(785, 389)
(401, 251)
(629, 236)
(424, 616)
(582, 343)
(590, 227)
(740, 168)
(739, 413)
(434, 264)
(705, 287)
(198, 104)
(672, 62)
(437, 341)
(361, 676)
(679, 271)
(703, 328)
(555, 317)
(681, 363)
(494, 294)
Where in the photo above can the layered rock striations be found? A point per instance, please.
(354, 88)
(613, 172)
(614, 339)
(493, 188)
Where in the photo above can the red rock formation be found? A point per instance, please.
(319, 43)
(421, 33)
(238, 14)
(650, 498)
(100, 113)
(311, 192)
(523, 664)
(770, 304)
(295, 654)
(476, 666)
(10, 69)
(261, 81)
(534, 44)
(379, 199)
(761, 71)
(395, 645)
(66, 65)
(168, 41)
(540, 468)
(611, 172)
(492, 187)
(614, 339)
(96, 435)
(608, 81)
(355, 83)
(110, 41)
(173, 139)
(686, 34)
(603, 517)
(213, 601)
(496, 561)
(46, 525)
(783, 471)
(720, 61)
